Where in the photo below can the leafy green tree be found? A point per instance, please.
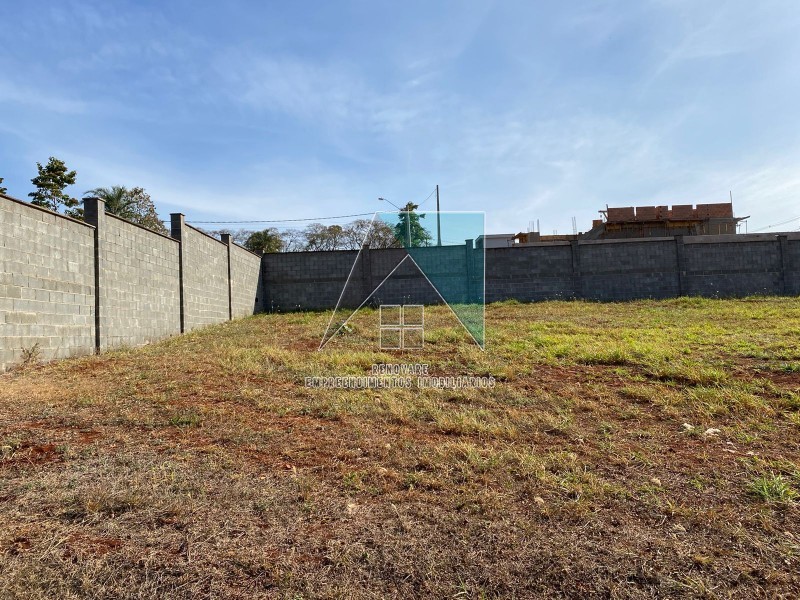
(2, 189)
(409, 229)
(134, 205)
(115, 198)
(52, 180)
(265, 241)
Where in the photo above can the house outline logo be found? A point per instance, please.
(402, 326)
(327, 338)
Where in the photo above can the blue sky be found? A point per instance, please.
(527, 110)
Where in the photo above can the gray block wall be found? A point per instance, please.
(247, 296)
(790, 254)
(204, 273)
(74, 288)
(625, 269)
(306, 280)
(733, 265)
(606, 270)
(538, 272)
(139, 280)
(46, 283)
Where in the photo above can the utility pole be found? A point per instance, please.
(438, 219)
(408, 224)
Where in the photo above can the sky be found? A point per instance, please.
(531, 110)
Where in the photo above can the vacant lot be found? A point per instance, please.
(647, 449)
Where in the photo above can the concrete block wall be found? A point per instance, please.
(606, 270)
(205, 297)
(732, 265)
(76, 288)
(530, 273)
(247, 296)
(306, 280)
(138, 280)
(46, 283)
(625, 269)
(316, 280)
(790, 246)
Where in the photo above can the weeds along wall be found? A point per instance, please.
(605, 270)
(70, 288)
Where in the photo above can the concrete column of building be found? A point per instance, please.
(177, 228)
(783, 248)
(680, 255)
(366, 272)
(226, 239)
(577, 281)
(94, 213)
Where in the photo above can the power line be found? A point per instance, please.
(776, 224)
(428, 198)
(289, 220)
(296, 220)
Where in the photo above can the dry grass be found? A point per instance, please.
(202, 467)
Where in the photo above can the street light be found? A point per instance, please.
(392, 203)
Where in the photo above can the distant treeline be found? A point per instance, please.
(315, 236)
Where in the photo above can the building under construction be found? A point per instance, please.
(663, 221)
(636, 222)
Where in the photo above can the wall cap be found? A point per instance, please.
(148, 230)
(45, 210)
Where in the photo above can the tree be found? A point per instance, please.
(239, 236)
(143, 211)
(293, 240)
(409, 229)
(265, 241)
(2, 189)
(376, 234)
(134, 205)
(50, 183)
(323, 237)
(115, 198)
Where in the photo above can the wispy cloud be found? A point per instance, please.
(41, 99)
(526, 110)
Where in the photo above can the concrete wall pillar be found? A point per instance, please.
(577, 282)
(783, 248)
(94, 213)
(680, 255)
(469, 245)
(177, 227)
(226, 239)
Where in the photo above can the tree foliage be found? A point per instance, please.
(2, 189)
(51, 181)
(324, 237)
(409, 229)
(315, 236)
(376, 234)
(261, 242)
(134, 205)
